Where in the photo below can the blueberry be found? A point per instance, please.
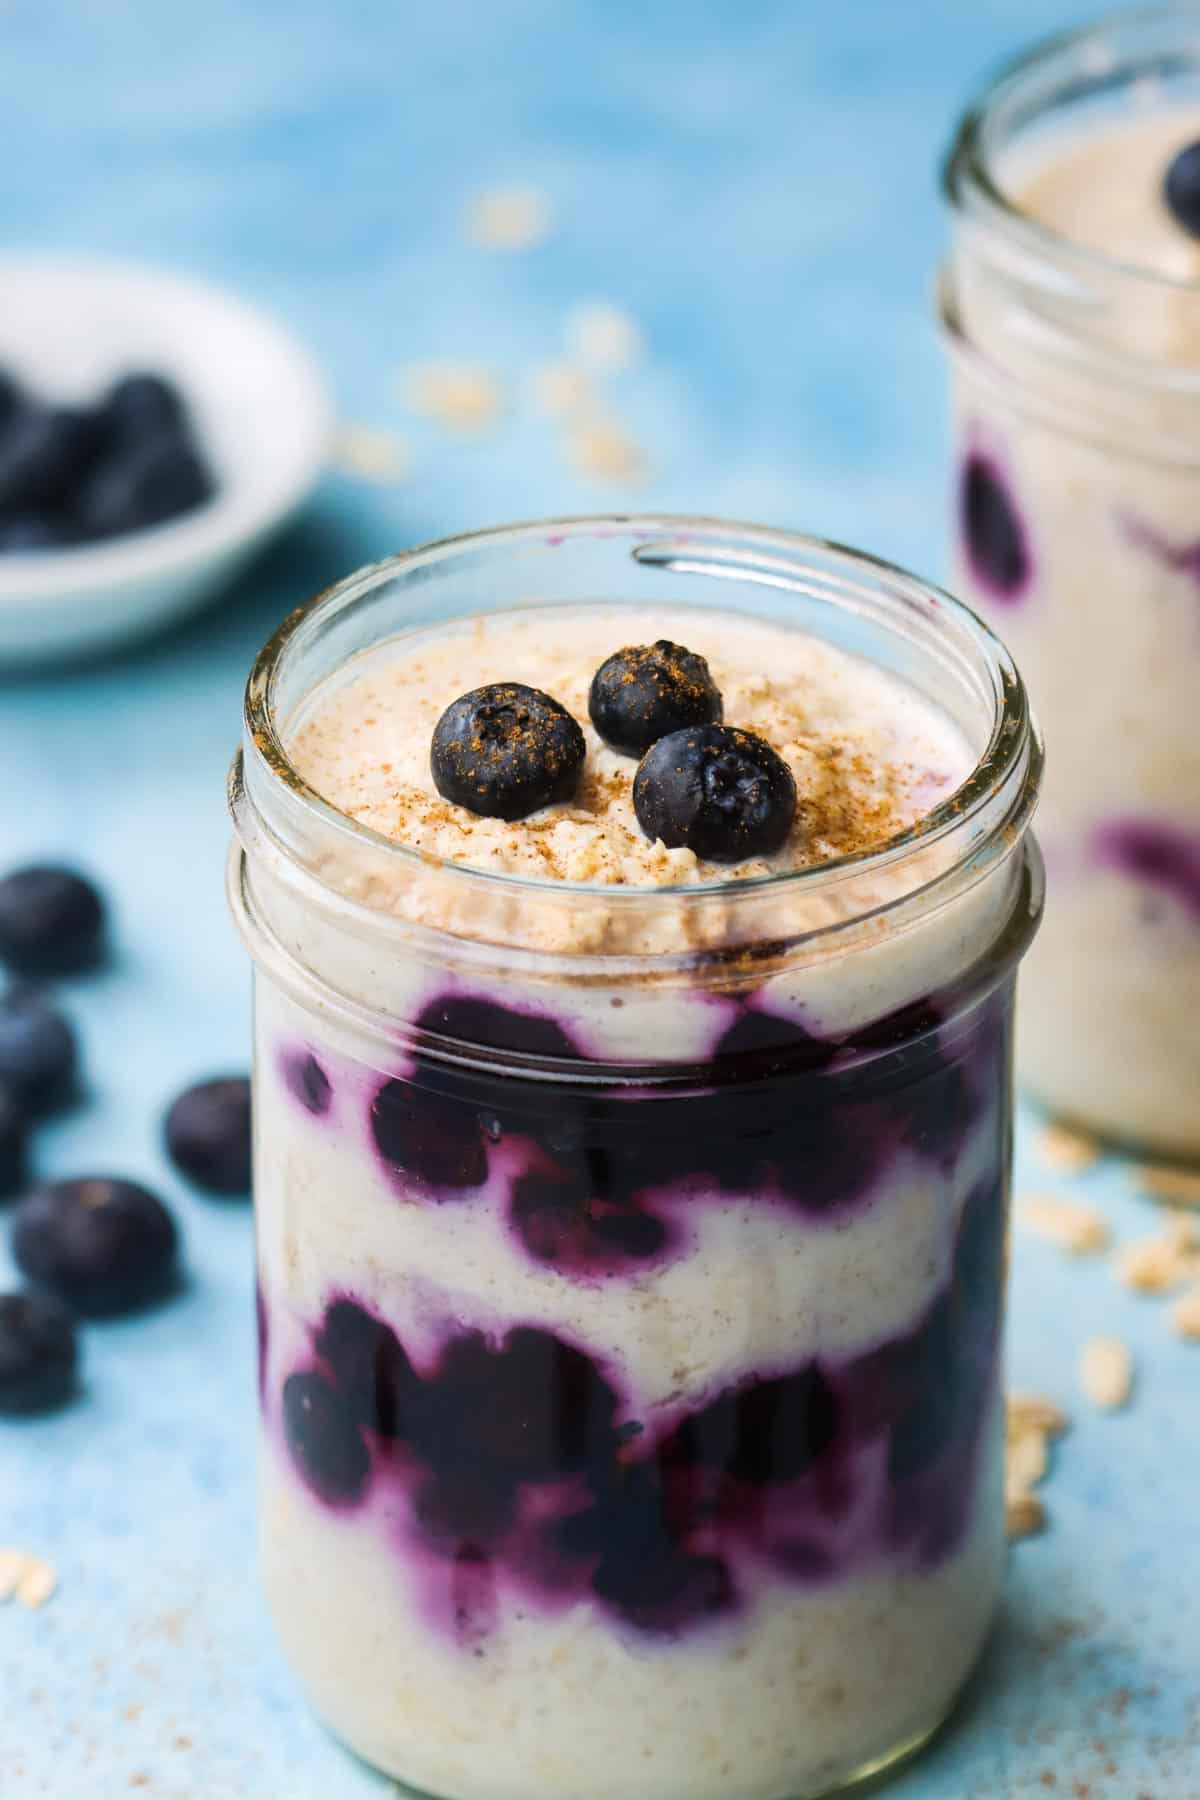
(723, 793)
(648, 690)
(324, 1438)
(38, 1059)
(51, 921)
(992, 531)
(38, 1353)
(104, 1245)
(30, 531)
(769, 1430)
(428, 1137)
(664, 1595)
(308, 1082)
(144, 405)
(12, 1142)
(133, 489)
(564, 1221)
(44, 455)
(208, 1134)
(459, 1511)
(504, 751)
(482, 1024)
(373, 1376)
(1181, 188)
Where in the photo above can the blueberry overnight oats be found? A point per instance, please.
(1072, 301)
(631, 1209)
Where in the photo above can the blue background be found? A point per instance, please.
(754, 182)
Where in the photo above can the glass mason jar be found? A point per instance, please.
(1077, 505)
(631, 1260)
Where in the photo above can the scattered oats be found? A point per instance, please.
(1106, 1372)
(1158, 1264)
(1027, 1460)
(559, 389)
(12, 1566)
(1024, 1514)
(509, 218)
(1032, 1412)
(607, 452)
(603, 337)
(461, 396)
(1167, 1184)
(1063, 1148)
(1078, 1229)
(1185, 1315)
(371, 454)
(37, 1583)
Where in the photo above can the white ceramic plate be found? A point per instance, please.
(69, 326)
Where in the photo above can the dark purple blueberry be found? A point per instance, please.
(721, 792)
(368, 1366)
(928, 1372)
(532, 1408)
(644, 1570)
(12, 1143)
(130, 490)
(1164, 856)
(326, 1443)
(1181, 188)
(429, 1137)
(505, 750)
(44, 455)
(39, 1353)
(482, 1024)
(29, 531)
(104, 1245)
(208, 1134)
(307, 1080)
(768, 1430)
(143, 405)
(995, 540)
(979, 1247)
(758, 1044)
(38, 1058)
(648, 690)
(51, 920)
(567, 1223)
(460, 1509)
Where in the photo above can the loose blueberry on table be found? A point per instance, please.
(104, 1245)
(208, 1134)
(39, 1353)
(648, 690)
(1181, 188)
(38, 1058)
(51, 920)
(12, 1142)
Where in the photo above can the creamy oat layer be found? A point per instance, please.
(869, 755)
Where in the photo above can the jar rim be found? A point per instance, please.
(692, 544)
(1094, 50)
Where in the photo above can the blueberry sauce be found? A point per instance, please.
(1164, 857)
(993, 535)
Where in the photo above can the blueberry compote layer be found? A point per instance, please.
(558, 1462)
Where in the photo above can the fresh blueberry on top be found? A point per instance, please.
(146, 485)
(648, 690)
(505, 750)
(38, 1353)
(38, 1058)
(44, 455)
(104, 1245)
(208, 1134)
(143, 405)
(992, 531)
(326, 1444)
(1181, 188)
(12, 1142)
(722, 792)
(51, 920)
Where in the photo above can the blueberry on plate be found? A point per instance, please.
(154, 481)
(38, 1058)
(44, 455)
(648, 690)
(208, 1134)
(51, 920)
(1181, 188)
(12, 1142)
(505, 750)
(103, 1245)
(143, 405)
(324, 1438)
(39, 1353)
(721, 792)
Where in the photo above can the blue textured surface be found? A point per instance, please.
(754, 182)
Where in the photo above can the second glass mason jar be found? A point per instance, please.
(1076, 357)
(631, 1261)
